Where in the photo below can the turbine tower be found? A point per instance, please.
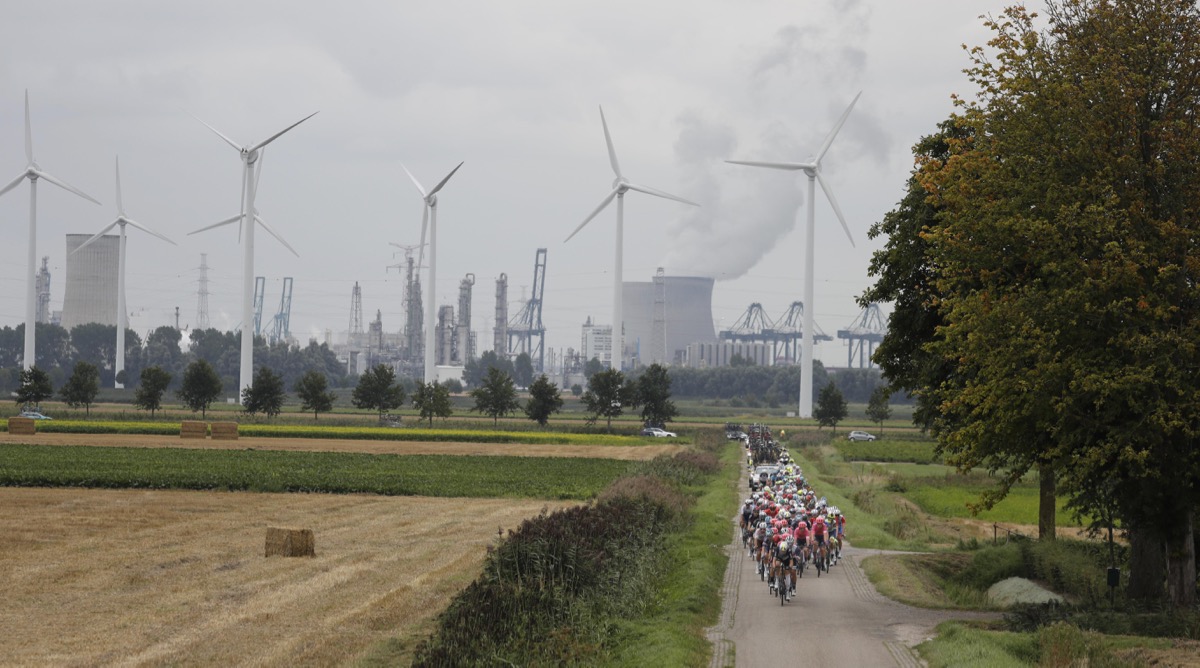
(620, 186)
(251, 164)
(813, 170)
(33, 171)
(122, 311)
(429, 219)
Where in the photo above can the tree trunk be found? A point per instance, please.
(1047, 502)
(1181, 563)
(1147, 565)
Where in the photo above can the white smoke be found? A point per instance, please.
(746, 210)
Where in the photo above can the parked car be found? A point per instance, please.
(860, 436)
(34, 415)
(658, 433)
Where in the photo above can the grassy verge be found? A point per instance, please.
(1060, 644)
(358, 433)
(278, 471)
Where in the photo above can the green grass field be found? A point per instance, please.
(277, 471)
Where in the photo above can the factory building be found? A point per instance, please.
(721, 353)
(596, 342)
(664, 315)
(91, 286)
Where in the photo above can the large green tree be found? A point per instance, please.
(432, 400)
(378, 390)
(544, 400)
(607, 396)
(313, 394)
(152, 384)
(831, 406)
(82, 387)
(878, 409)
(1065, 268)
(200, 387)
(265, 394)
(496, 396)
(35, 387)
(653, 387)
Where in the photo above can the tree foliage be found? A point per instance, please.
(152, 384)
(544, 400)
(1061, 258)
(831, 406)
(653, 389)
(378, 390)
(35, 387)
(200, 387)
(878, 409)
(523, 370)
(496, 396)
(312, 391)
(82, 387)
(265, 394)
(607, 396)
(432, 400)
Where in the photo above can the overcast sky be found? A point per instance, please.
(513, 89)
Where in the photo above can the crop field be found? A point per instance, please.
(891, 450)
(151, 577)
(280, 471)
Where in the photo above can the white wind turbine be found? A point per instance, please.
(33, 171)
(813, 170)
(251, 162)
(429, 219)
(620, 186)
(122, 312)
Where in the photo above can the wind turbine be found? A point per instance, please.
(122, 313)
(620, 186)
(429, 218)
(812, 169)
(33, 171)
(251, 162)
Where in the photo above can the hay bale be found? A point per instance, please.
(193, 429)
(19, 426)
(225, 431)
(290, 542)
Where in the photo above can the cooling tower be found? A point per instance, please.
(664, 315)
(91, 287)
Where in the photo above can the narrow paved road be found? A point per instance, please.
(835, 620)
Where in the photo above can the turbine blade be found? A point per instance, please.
(424, 228)
(414, 180)
(836, 128)
(443, 181)
(258, 219)
(28, 131)
(658, 193)
(612, 152)
(149, 231)
(96, 236)
(227, 221)
(595, 212)
(14, 183)
(772, 165)
(65, 186)
(229, 141)
(277, 135)
(836, 209)
(120, 206)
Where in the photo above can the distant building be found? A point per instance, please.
(91, 286)
(706, 355)
(662, 316)
(596, 342)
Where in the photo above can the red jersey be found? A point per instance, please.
(818, 527)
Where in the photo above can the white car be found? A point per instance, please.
(658, 433)
(34, 415)
(860, 436)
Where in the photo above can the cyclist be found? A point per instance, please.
(819, 533)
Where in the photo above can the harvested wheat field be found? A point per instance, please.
(622, 452)
(175, 577)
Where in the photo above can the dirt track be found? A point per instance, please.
(640, 452)
(167, 577)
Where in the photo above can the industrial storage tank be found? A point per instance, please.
(91, 286)
(662, 316)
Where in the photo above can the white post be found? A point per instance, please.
(31, 278)
(430, 292)
(618, 334)
(121, 313)
(806, 362)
